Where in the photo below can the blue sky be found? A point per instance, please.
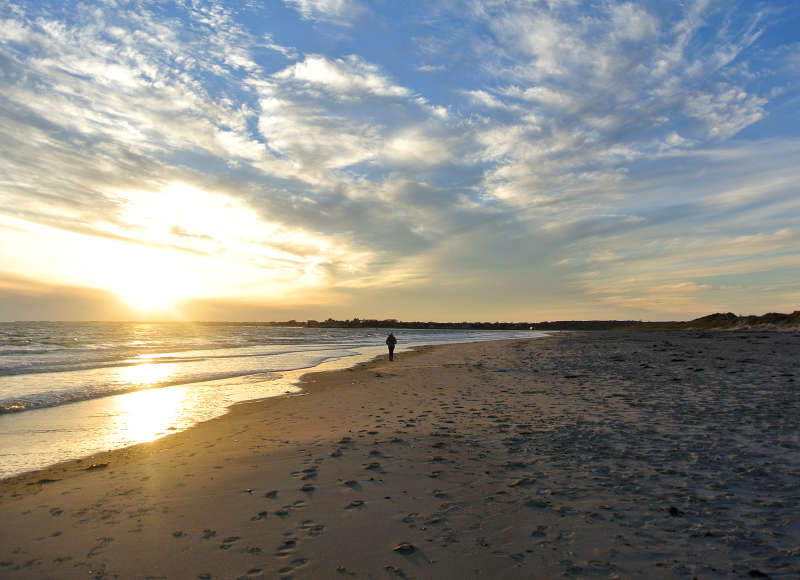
(455, 160)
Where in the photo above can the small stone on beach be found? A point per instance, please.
(675, 512)
(522, 482)
(94, 466)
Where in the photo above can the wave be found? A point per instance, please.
(55, 398)
(119, 359)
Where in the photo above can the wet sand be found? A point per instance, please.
(669, 454)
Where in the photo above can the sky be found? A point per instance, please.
(496, 160)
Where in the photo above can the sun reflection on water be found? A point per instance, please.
(145, 373)
(146, 415)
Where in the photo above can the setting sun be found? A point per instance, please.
(175, 244)
(149, 298)
(156, 283)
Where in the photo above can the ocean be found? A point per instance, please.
(68, 390)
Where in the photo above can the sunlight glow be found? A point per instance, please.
(146, 373)
(164, 248)
(153, 283)
(146, 415)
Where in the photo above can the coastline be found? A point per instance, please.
(295, 378)
(574, 455)
(74, 408)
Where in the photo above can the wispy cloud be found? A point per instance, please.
(342, 78)
(337, 11)
(582, 143)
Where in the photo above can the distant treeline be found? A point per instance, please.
(728, 320)
(388, 323)
(394, 323)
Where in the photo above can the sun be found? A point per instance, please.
(161, 254)
(151, 280)
(149, 298)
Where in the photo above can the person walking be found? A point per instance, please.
(390, 342)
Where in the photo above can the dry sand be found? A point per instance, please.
(589, 454)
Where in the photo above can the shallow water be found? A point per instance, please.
(71, 389)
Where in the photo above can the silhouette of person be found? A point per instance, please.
(390, 342)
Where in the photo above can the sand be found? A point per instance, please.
(651, 455)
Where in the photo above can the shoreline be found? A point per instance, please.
(296, 378)
(615, 454)
(85, 411)
(64, 416)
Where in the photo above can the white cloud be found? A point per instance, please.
(726, 112)
(541, 95)
(674, 142)
(314, 138)
(485, 99)
(550, 44)
(630, 22)
(12, 30)
(287, 51)
(338, 11)
(347, 77)
(594, 94)
(414, 148)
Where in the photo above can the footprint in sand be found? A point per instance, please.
(294, 565)
(287, 548)
(101, 544)
(228, 542)
(395, 571)
(405, 548)
(312, 529)
(435, 519)
(306, 474)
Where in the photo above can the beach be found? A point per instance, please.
(585, 454)
(68, 390)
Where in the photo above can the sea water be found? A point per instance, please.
(68, 390)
